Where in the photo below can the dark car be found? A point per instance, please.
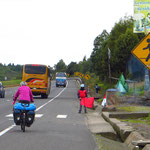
(2, 91)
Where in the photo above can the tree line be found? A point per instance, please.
(120, 41)
(10, 72)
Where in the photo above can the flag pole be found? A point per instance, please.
(109, 69)
(109, 55)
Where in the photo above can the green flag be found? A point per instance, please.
(122, 85)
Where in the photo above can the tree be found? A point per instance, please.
(99, 55)
(72, 68)
(120, 41)
(60, 66)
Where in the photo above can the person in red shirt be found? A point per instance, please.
(82, 94)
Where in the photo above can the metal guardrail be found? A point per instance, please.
(75, 78)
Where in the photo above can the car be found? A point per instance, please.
(2, 91)
(61, 78)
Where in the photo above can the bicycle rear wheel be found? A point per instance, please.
(23, 122)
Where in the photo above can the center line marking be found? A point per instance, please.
(61, 116)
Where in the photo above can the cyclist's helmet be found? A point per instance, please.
(82, 85)
(23, 83)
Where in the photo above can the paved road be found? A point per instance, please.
(59, 126)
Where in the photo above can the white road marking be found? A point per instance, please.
(51, 99)
(12, 126)
(10, 115)
(61, 116)
(36, 115)
(7, 129)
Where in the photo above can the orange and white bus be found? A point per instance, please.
(37, 78)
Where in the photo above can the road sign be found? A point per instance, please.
(87, 76)
(142, 51)
(79, 74)
(76, 74)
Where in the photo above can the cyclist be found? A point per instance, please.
(24, 93)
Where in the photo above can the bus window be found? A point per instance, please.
(29, 69)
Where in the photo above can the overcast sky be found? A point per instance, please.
(45, 31)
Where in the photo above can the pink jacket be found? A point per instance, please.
(25, 94)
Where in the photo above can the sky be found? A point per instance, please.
(46, 31)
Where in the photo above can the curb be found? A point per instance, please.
(121, 128)
(127, 134)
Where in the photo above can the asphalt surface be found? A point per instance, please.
(58, 126)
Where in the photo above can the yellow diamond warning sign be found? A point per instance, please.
(87, 76)
(142, 51)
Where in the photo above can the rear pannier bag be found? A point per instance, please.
(30, 117)
(16, 115)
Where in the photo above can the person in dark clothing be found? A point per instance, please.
(82, 94)
(97, 88)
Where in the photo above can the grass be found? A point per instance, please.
(137, 91)
(11, 83)
(144, 120)
(103, 85)
(141, 120)
(133, 108)
(99, 100)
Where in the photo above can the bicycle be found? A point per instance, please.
(23, 114)
(22, 118)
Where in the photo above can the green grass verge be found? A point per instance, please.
(99, 100)
(133, 108)
(11, 83)
(144, 120)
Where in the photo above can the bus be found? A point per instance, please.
(61, 78)
(37, 78)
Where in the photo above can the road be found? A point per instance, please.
(57, 126)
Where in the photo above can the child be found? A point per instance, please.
(82, 93)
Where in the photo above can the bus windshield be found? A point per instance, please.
(61, 74)
(35, 69)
